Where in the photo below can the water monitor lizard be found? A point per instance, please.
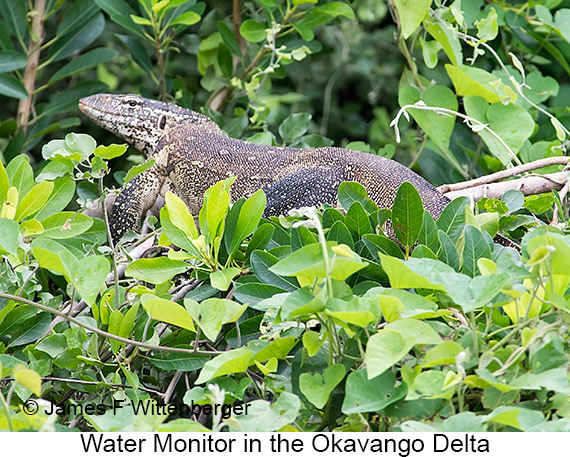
(191, 154)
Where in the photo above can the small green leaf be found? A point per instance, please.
(140, 20)
(167, 311)
(252, 31)
(111, 151)
(222, 279)
(138, 169)
(187, 18)
(487, 28)
(233, 361)
(28, 378)
(294, 126)
(317, 388)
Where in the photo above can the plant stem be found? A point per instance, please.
(34, 49)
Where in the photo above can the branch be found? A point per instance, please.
(503, 174)
(529, 185)
(103, 333)
(36, 38)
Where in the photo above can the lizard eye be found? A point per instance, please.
(132, 103)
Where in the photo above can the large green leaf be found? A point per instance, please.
(384, 350)
(437, 127)
(411, 14)
(407, 214)
(167, 311)
(156, 270)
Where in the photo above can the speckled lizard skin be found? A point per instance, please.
(191, 154)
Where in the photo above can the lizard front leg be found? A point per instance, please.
(135, 199)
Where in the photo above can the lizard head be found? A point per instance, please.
(140, 121)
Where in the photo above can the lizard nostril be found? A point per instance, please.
(162, 123)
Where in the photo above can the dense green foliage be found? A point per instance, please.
(317, 320)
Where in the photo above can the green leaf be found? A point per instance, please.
(20, 174)
(55, 257)
(167, 311)
(428, 233)
(448, 252)
(156, 270)
(476, 81)
(120, 11)
(385, 349)
(443, 354)
(83, 62)
(187, 18)
(487, 28)
(252, 31)
(407, 214)
(234, 361)
(350, 192)
(11, 60)
(9, 231)
(28, 379)
(180, 216)
(448, 39)
(266, 417)
(111, 151)
(249, 216)
(475, 248)
(411, 13)
(213, 212)
(140, 20)
(138, 169)
(294, 126)
(34, 200)
(11, 87)
(229, 39)
(317, 388)
(365, 395)
(222, 279)
(452, 219)
(62, 193)
(357, 221)
(380, 244)
(309, 262)
(415, 330)
(66, 224)
(437, 127)
(89, 277)
(261, 263)
(213, 313)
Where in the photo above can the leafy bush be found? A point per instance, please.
(315, 320)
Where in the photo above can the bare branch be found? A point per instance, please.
(529, 185)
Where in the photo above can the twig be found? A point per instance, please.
(103, 333)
